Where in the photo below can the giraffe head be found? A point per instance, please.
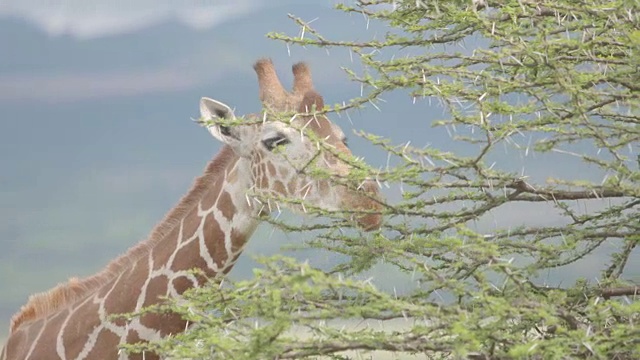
(280, 155)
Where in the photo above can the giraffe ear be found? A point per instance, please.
(212, 109)
(215, 110)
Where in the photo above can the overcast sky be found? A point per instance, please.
(94, 18)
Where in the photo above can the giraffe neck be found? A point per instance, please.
(210, 236)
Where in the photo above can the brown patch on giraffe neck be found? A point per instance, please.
(65, 294)
(73, 337)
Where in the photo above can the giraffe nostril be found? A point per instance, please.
(370, 222)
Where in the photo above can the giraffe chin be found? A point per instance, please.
(369, 222)
(366, 199)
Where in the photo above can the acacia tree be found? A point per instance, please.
(555, 79)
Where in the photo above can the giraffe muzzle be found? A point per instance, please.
(368, 201)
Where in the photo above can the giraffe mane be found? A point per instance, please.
(45, 303)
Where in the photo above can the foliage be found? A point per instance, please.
(556, 80)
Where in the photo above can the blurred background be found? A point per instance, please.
(96, 142)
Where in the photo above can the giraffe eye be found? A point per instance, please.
(272, 143)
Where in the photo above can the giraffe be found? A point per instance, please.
(207, 229)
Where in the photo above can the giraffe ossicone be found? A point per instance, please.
(206, 230)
